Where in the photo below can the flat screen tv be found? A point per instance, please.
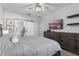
(56, 24)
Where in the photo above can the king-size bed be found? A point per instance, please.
(29, 46)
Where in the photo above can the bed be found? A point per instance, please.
(29, 46)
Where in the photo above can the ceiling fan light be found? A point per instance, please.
(38, 9)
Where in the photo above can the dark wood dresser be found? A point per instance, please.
(68, 41)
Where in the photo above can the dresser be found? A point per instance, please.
(67, 41)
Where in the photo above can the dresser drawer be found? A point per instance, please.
(77, 38)
(67, 34)
(68, 45)
(68, 38)
(77, 48)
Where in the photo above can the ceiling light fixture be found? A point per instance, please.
(38, 8)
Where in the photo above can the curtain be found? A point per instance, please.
(29, 26)
(19, 24)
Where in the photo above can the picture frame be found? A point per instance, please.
(10, 22)
(56, 24)
(10, 25)
(10, 29)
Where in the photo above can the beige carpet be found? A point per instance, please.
(66, 53)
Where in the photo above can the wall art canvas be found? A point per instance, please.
(10, 22)
(56, 24)
(10, 29)
(10, 25)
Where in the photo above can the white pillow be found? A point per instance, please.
(5, 32)
(15, 39)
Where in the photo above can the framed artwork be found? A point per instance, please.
(56, 24)
(10, 28)
(10, 22)
(10, 25)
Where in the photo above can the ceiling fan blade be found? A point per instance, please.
(48, 5)
(52, 4)
(28, 5)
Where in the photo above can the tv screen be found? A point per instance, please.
(56, 24)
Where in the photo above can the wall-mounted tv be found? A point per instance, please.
(56, 24)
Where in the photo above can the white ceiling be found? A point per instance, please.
(28, 8)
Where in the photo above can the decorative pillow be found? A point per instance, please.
(14, 39)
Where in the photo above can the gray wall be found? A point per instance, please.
(1, 16)
(62, 14)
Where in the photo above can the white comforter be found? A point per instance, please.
(29, 46)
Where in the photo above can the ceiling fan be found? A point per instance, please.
(39, 7)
